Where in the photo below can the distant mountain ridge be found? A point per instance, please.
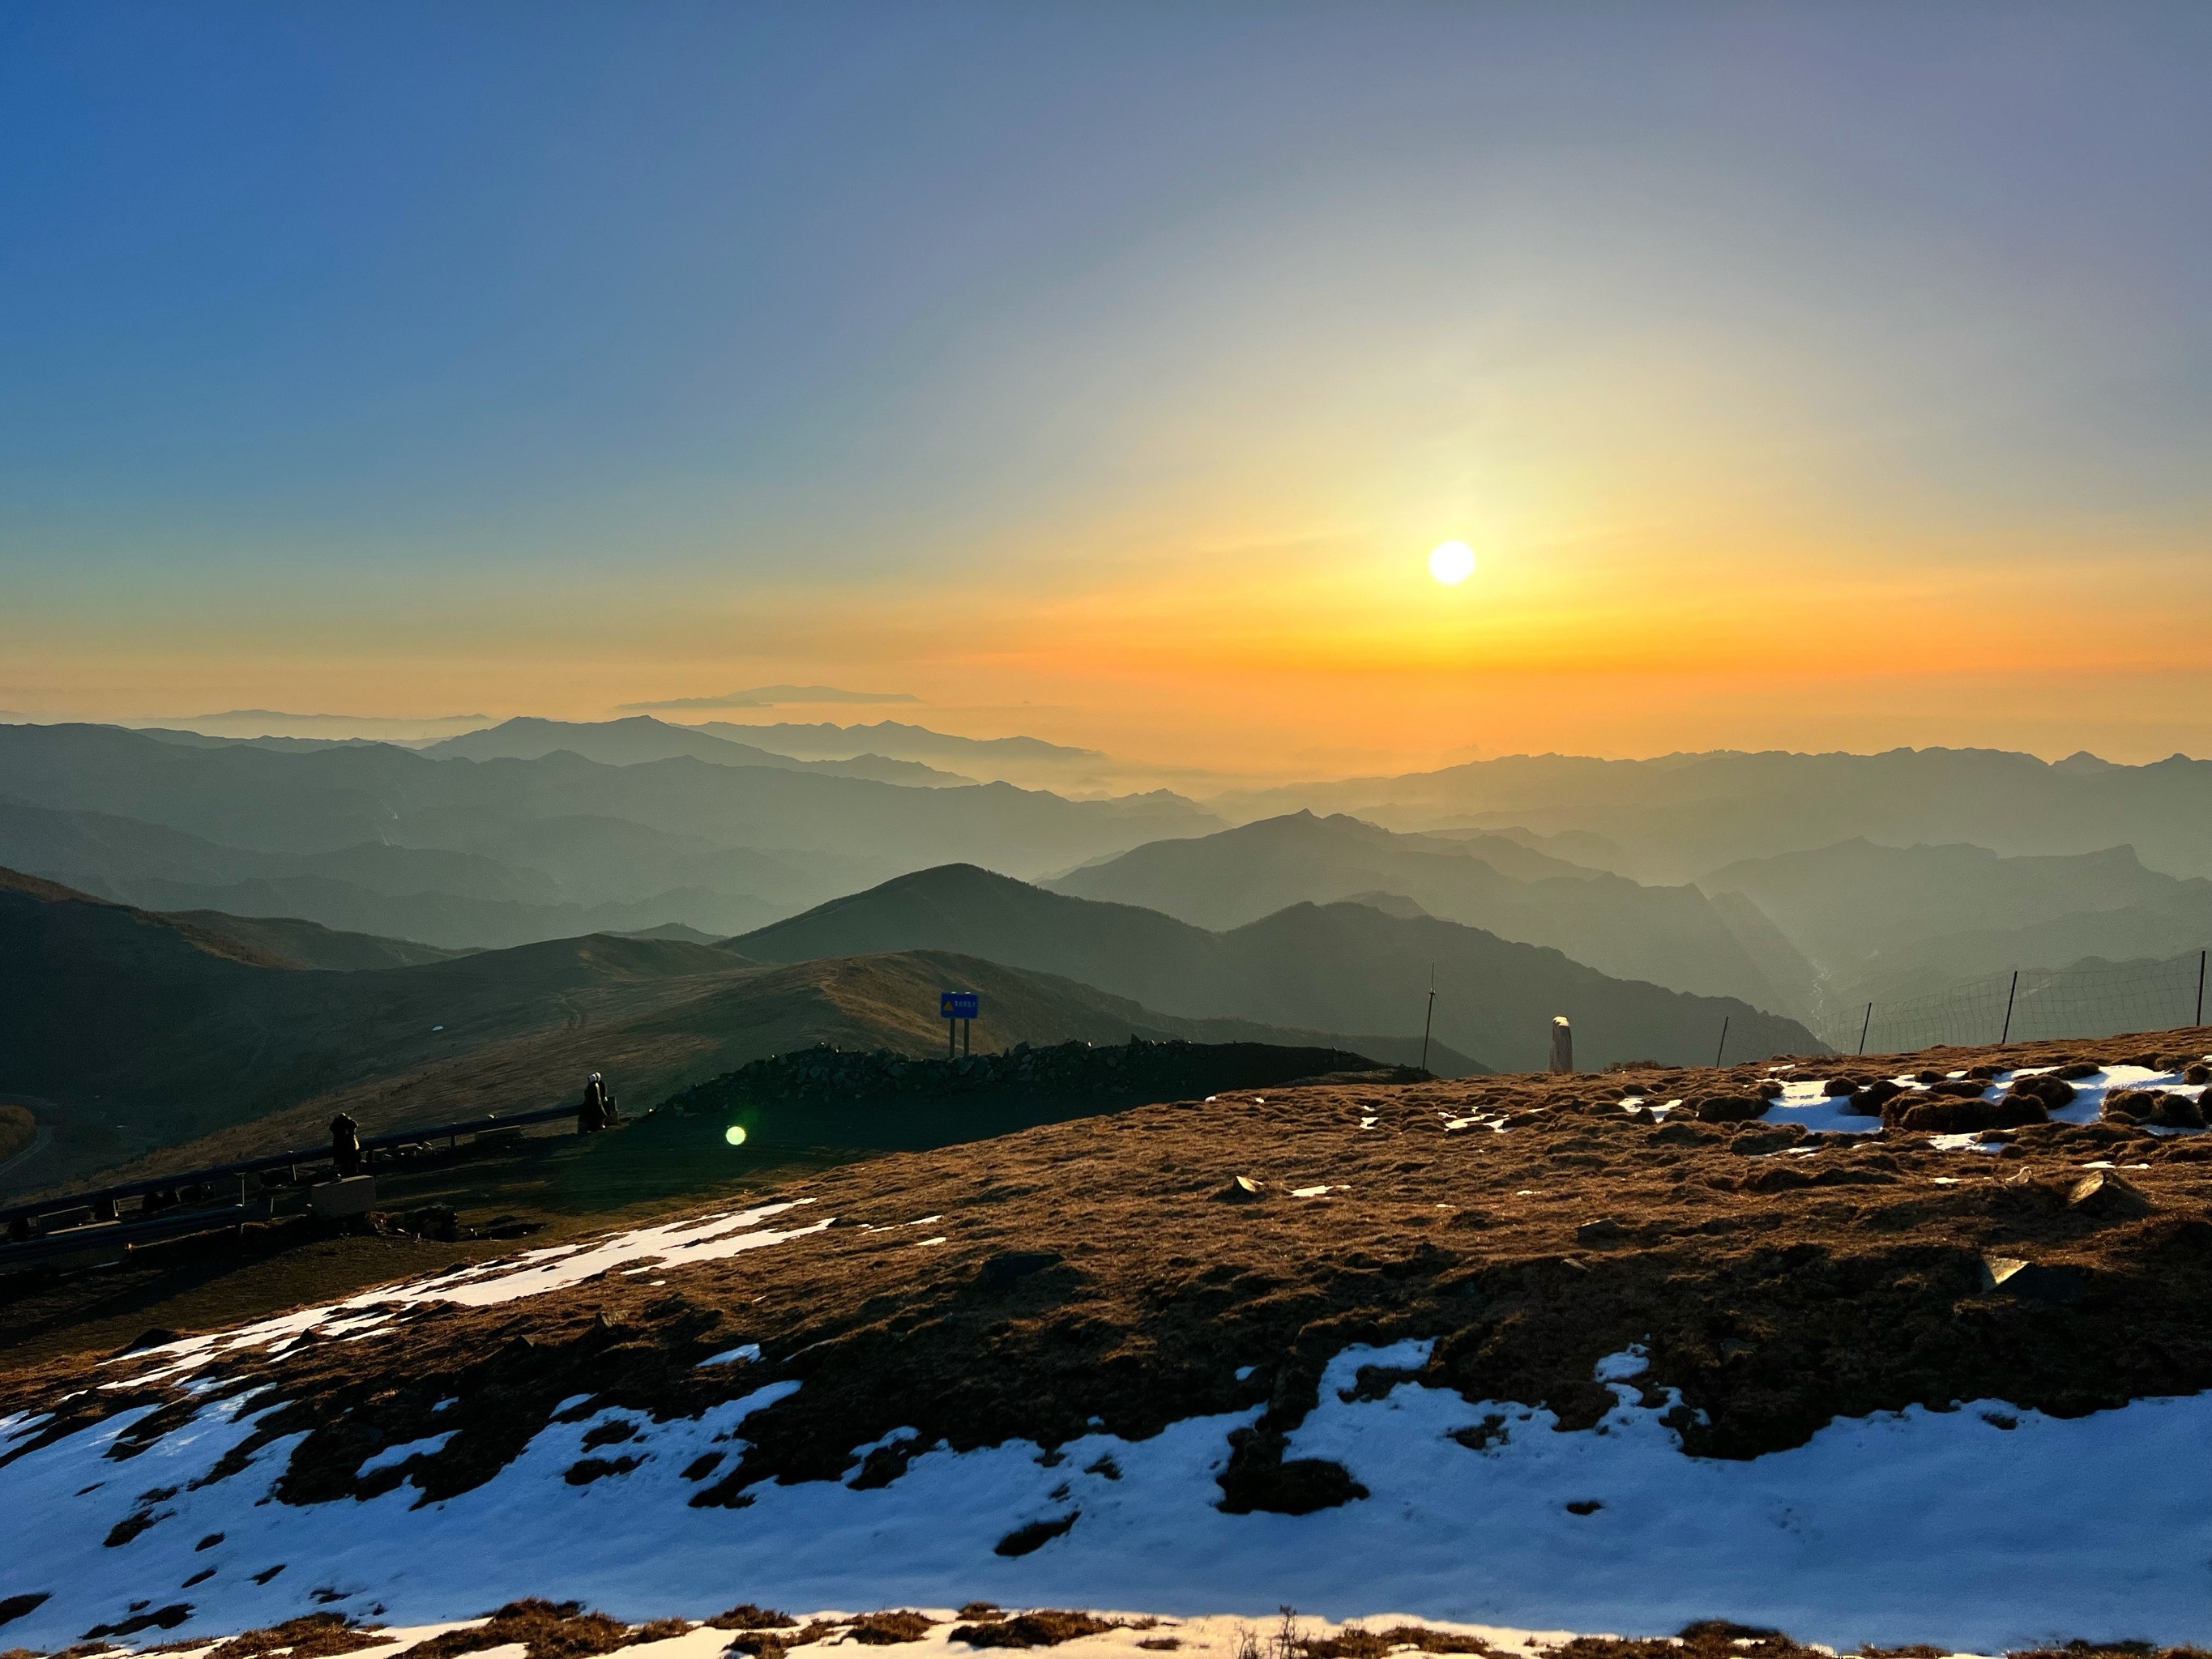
(460, 853)
(1675, 817)
(1348, 963)
(136, 1032)
(640, 738)
(1671, 936)
(1888, 922)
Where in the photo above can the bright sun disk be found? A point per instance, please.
(1451, 563)
(735, 1134)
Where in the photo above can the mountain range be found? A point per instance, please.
(1678, 816)
(542, 843)
(133, 1032)
(1673, 936)
(1310, 965)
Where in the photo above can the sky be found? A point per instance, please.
(1812, 377)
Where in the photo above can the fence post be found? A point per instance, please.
(2200, 986)
(1722, 1047)
(1865, 1025)
(2008, 997)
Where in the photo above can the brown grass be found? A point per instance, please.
(549, 1630)
(316, 1635)
(1776, 1292)
(1047, 1627)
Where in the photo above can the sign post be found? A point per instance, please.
(960, 1006)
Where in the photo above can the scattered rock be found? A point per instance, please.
(1604, 1231)
(1679, 1134)
(1242, 1189)
(2106, 1195)
(2032, 1281)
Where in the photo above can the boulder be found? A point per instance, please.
(1242, 1189)
(2106, 1195)
(1603, 1231)
(2032, 1281)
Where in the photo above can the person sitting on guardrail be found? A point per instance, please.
(595, 1113)
(345, 1145)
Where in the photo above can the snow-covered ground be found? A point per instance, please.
(1980, 1528)
(1812, 1109)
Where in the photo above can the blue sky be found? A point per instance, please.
(726, 341)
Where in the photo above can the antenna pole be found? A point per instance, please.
(2201, 954)
(1430, 1019)
(1865, 1025)
(2008, 997)
(1722, 1047)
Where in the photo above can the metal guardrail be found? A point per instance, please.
(33, 1221)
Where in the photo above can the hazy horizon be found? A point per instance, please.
(1800, 377)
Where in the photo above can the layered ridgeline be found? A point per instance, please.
(1887, 922)
(542, 843)
(1677, 817)
(1348, 965)
(131, 1032)
(1677, 936)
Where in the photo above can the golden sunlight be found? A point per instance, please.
(1451, 563)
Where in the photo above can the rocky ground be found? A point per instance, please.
(1779, 1257)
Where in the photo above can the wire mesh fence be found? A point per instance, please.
(2092, 998)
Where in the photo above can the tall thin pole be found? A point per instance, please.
(1865, 1025)
(2008, 997)
(1431, 1018)
(2201, 954)
(1722, 1049)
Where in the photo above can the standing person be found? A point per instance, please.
(345, 1145)
(594, 1116)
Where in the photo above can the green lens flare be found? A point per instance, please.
(735, 1134)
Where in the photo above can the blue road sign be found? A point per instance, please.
(956, 1005)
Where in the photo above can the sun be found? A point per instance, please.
(1451, 563)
